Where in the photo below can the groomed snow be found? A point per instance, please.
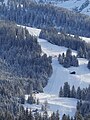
(60, 74)
(32, 31)
(59, 77)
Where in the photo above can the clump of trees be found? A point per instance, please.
(83, 108)
(68, 59)
(81, 94)
(28, 114)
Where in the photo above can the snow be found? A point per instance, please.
(36, 32)
(71, 5)
(60, 74)
(87, 40)
(59, 77)
(32, 31)
(64, 105)
(51, 49)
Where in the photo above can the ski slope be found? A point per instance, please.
(59, 77)
(60, 74)
(32, 31)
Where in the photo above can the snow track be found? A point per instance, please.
(59, 77)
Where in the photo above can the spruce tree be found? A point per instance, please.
(78, 93)
(61, 92)
(73, 92)
(66, 89)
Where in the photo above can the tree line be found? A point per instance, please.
(30, 115)
(81, 94)
(45, 16)
(68, 59)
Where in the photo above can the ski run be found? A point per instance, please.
(59, 77)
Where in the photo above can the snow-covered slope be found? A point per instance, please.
(32, 31)
(59, 76)
(82, 6)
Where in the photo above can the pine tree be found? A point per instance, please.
(53, 116)
(29, 88)
(39, 86)
(61, 92)
(46, 105)
(45, 115)
(37, 102)
(36, 115)
(57, 115)
(79, 116)
(88, 65)
(83, 94)
(60, 59)
(64, 117)
(73, 92)
(78, 93)
(42, 108)
(31, 99)
(66, 89)
(67, 62)
(22, 99)
(80, 52)
(30, 116)
(68, 53)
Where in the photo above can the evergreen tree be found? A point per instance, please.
(53, 116)
(80, 52)
(60, 59)
(83, 94)
(88, 65)
(31, 99)
(68, 53)
(79, 116)
(78, 93)
(88, 94)
(64, 117)
(67, 62)
(66, 89)
(73, 92)
(30, 116)
(22, 99)
(61, 92)
(57, 115)
(38, 102)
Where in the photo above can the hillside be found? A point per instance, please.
(59, 77)
(20, 58)
(82, 6)
(44, 59)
